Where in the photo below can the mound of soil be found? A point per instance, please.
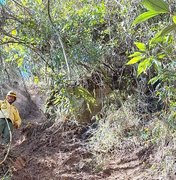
(56, 151)
(50, 151)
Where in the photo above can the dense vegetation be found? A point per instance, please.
(105, 62)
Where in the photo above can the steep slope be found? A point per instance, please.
(49, 150)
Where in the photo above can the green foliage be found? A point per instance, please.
(156, 6)
(94, 34)
(141, 58)
(135, 59)
(166, 30)
(145, 16)
(68, 100)
(160, 53)
(140, 46)
(82, 93)
(174, 19)
(31, 29)
(144, 65)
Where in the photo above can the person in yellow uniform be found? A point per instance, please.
(10, 113)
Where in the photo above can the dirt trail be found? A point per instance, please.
(50, 151)
(43, 150)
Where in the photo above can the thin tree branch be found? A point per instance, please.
(20, 5)
(60, 40)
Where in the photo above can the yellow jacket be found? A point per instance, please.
(10, 111)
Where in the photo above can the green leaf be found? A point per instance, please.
(174, 19)
(14, 32)
(156, 5)
(161, 56)
(15, 56)
(140, 46)
(135, 60)
(154, 79)
(135, 54)
(36, 79)
(39, 1)
(83, 92)
(159, 35)
(144, 16)
(167, 30)
(20, 62)
(142, 67)
(156, 38)
(157, 65)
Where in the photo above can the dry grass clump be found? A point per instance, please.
(163, 161)
(124, 131)
(115, 131)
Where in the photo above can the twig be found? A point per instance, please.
(5, 175)
(24, 7)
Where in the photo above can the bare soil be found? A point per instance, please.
(44, 150)
(55, 151)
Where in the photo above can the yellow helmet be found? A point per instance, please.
(12, 93)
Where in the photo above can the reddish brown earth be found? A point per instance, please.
(42, 150)
(55, 151)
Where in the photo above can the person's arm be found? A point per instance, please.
(17, 119)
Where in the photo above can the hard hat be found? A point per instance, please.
(11, 93)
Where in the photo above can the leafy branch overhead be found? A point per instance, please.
(156, 8)
(157, 53)
(141, 58)
(144, 57)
